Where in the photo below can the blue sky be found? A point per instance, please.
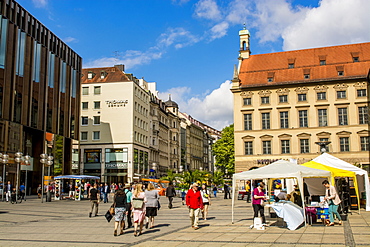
(189, 47)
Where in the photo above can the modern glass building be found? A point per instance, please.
(39, 94)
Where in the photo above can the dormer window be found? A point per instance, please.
(340, 73)
(322, 62)
(306, 73)
(290, 65)
(270, 76)
(356, 59)
(90, 75)
(306, 76)
(270, 79)
(103, 74)
(340, 70)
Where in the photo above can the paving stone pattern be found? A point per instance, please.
(66, 223)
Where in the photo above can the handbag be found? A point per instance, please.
(111, 209)
(159, 205)
(108, 216)
(137, 203)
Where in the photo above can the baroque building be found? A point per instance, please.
(288, 103)
(39, 95)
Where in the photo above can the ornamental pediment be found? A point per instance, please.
(304, 135)
(266, 137)
(363, 133)
(343, 133)
(321, 88)
(264, 93)
(246, 94)
(360, 84)
(301, 90)
(248, 137)
(285, 136)
(340, 87)
(324, 133)
(282, 91)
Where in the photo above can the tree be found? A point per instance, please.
(223, 149)
(171, 175)
(217, 178)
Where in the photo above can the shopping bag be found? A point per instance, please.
(257, 223)
(108, 216)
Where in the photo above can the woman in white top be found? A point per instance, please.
(206, 200)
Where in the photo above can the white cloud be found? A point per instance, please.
(207, 9)
(70, 40)
(214, 109)
(333, 22)
(219, 30)
(40, 3)
(173, 37)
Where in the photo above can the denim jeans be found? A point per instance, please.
(333, 209)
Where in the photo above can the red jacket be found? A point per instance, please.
(194, 199)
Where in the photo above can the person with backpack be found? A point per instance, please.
(120, 204)
(94, 199)
(206, 200)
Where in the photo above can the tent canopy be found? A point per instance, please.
(76, 177)
(335, 172)
(281, 169)
(330, 160)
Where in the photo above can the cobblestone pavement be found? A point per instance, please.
(66, 223)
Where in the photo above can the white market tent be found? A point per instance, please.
(76, 177)
(330, 160)
(277, 170)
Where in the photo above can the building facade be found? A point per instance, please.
(39, 94)
(288, 103)
(114, 136)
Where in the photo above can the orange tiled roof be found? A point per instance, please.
(111, 74)
(255, 70)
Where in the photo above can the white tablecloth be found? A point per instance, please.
(290, 212)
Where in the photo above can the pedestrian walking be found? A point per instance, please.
(206, 199)
(227, 191)
(215, 191)
(195, 205)
(332, 197)
(8, 190)
(258, 198)
(94, 200)
(120, 204)
(183, 194)
(151, 205)
(22, 190)
(138, 209)
(128, 205)
(39, 191)
(170, 193)
(105, 192)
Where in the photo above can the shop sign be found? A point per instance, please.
(116, 103)
(116, 165)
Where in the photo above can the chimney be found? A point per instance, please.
(121, 67)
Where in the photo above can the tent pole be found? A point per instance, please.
(233, 199)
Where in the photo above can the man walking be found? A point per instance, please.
(170, 193)
(94, 199)
(8, 191)
(105, 192)
(195, 205)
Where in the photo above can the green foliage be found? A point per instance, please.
(217, 178)
(171, 175)
(223, 149)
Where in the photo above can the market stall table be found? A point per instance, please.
(291, 213)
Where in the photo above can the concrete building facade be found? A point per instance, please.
(286, 103)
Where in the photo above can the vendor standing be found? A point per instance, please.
(332, 197)
(258, 198)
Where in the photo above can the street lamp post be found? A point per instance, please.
(46, 160)
(18, 159)
(4, 160)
